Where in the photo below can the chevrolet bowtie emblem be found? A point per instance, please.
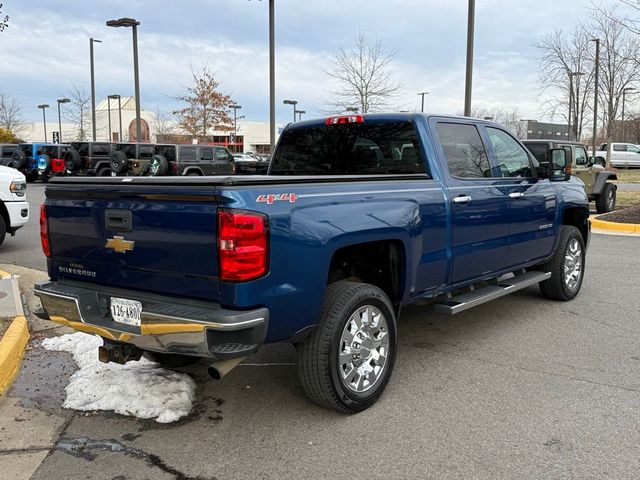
(119, 244)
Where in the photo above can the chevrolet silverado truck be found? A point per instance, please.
(14, 209)
(358, 217)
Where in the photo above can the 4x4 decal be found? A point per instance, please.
(270, 198)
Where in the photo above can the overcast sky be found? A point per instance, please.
(45, 48)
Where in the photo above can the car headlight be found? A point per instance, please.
(19, 189)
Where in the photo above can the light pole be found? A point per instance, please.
(595, 97)
(109, 113)
(60, 100)
(114, 96)
(93, 86)
(133, 23)
(294, 103)
(624, 95)
(300, 113)
(422, 94)
(571, 75)
(44, 119)
(469, 76)
(235, 123)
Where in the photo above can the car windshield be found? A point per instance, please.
(349, 149)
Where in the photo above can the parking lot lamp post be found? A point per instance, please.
(595, 97)
(294, 103)
(235, 123)
(93, 86)
(469, 75)
(109, 113)
(44, 119)
(116, 97)
(624, 95)
(60, 100)
(133, 23)
(422, 94)
(300, 113)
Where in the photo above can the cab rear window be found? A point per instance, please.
(350, 149)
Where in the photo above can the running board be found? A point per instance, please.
(465, 301)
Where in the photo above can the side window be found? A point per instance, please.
(513, 160)
(146, 151)
(188, 154)
(100, 149)
(619, 147)
(206, 154)
(221, 154)
(465, 152)
(581, 156)
(633, 149)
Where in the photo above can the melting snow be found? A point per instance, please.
(140, 389)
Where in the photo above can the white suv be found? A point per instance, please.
(14, 209)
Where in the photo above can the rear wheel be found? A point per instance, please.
(606, 201)
(566, 266)
(170, 360)
(103, 172)
(601, 161)
(72, 160)
(347, 362)
(3, 229)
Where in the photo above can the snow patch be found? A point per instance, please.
(141, 389)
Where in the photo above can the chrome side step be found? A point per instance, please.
(465, 301)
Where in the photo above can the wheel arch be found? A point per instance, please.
(579, 218)
(602, 179)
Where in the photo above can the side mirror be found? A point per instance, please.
(559, 165)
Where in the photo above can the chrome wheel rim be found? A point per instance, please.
(573, 264)
(364, 349)
(610, 199)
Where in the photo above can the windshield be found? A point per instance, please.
(349, 149)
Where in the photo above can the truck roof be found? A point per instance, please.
(386, 117)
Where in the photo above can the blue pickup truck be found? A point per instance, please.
(358, 217)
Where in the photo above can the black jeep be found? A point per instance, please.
(89, 158)
(131, 158)
(191, 160)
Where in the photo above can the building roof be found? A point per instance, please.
(128, 103)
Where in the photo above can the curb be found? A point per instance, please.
(12, 345)
(615, 227)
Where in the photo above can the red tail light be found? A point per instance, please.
(342, 120)
(44, 231)
(242, 245)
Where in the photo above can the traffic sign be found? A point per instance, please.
(56, 137)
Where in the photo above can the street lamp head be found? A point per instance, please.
(123, 22)
(63, 100)
(43, 106)
(290, 102)
(235, 107)
(95, 40)
(423, 93)
(114, 96)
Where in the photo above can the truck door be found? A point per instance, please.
(532, 201)
(479, 206)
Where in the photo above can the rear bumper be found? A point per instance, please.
(168, 324)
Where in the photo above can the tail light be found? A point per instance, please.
(344, 119)
(44, 231)
(174, 167)
(242, 245)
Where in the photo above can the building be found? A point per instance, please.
(540, 130)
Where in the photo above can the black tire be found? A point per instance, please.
(193, 174)
(3, 229)
(72, 160)
(159, 166)
(606, 201)
(119, 163)
(557, 288)
(601, 161)
(103, 172)
(318, 356)
(19, 160)
(170, 360)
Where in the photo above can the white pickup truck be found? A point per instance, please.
(623, 155)
(14, 209)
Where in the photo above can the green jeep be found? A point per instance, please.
(597, 180)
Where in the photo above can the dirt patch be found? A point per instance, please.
(624, 215)
(4, 324)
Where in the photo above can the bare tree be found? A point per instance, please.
(206, 107)
(4, 20)
(11, 115)
(78, 111)
(363, 76)
(508, 117)
(567, 70)
(163, 125)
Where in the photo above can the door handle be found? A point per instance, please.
(516, 195)
(462, 199)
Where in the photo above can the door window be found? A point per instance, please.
(634, 149)
(512, 159)
(188, 154)
(465, 152)
(206, 154)
(581, 156)
(222, 154)
(619, 147)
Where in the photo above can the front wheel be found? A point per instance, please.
(347, 362)
(606, 201)
(566, 266)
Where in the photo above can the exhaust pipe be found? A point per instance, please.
(219, 369)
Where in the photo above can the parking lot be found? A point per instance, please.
(518, 388)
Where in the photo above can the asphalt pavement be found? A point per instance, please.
(518, 388)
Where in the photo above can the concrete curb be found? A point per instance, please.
(12, 344)
(615, 227)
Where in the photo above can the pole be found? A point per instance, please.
(109, 112)
(235, 128)
(120, 119)
(272, 76)
(60, 125)
(136, 79)
(570, 104)
(44, 124)
(469, 77)
(595, 99)
(624, 95)
(93, 90)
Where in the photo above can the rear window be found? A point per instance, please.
(146, 151)
(27, 148)
(167, 151)
(351, 149)
(539, 150)
(128, 149)
(100, 150)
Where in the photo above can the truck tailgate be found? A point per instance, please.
(155, 238)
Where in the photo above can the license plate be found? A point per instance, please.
(126, 311)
